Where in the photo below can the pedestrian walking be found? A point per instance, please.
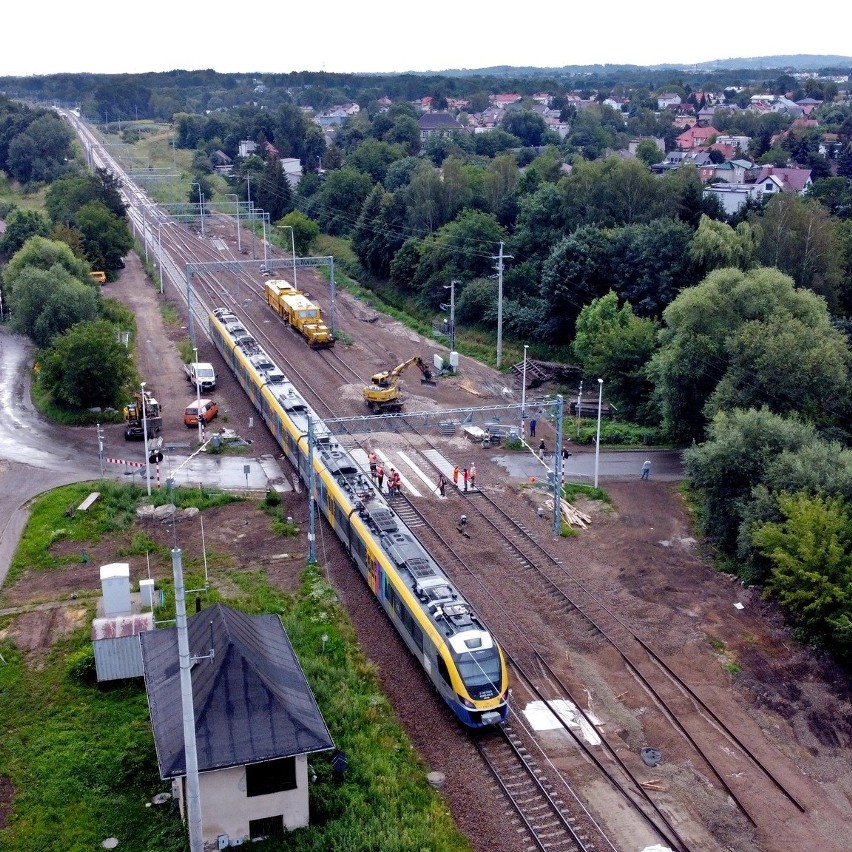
(456, 476)
(565, 453)
(541, 449)
(473, 475)
(466, 477)
(372, 464)
(380, 476)
(646, 469)
(532, 428)
(442, 485)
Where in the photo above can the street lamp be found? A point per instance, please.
(524, 392)
(598, 439)
(145, 438)
(198, 397)
(200, 206)
(293, 246)
(237, 200)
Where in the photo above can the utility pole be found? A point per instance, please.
(500, 258)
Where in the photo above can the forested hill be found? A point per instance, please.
(161, 95)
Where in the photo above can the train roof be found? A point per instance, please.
(438, 598)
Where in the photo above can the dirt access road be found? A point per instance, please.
(789, 702)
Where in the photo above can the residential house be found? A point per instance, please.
(633, 144)
(790, 180)
(731, 171)
(668, 99)
(808, 105)
(247, 147)
(256, 722)
(695, 137)
(292, 167)
(705, 115)
(740, 143)
(437, 124)
(675, 159)
(504, 100)
(733, 196)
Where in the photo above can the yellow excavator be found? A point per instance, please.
(382, 394)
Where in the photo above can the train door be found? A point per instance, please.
(374, 575)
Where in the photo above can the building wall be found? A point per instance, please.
(225, 808)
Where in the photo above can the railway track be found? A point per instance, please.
(541, 813)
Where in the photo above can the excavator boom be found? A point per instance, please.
(383, 392)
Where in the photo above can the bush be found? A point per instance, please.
(615, 433)
(81, 665)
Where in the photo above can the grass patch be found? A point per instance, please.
(80, 756)
(571, 490)
(171, 317)
(54, 517)
(614, 433)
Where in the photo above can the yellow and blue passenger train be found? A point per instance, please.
(456, 650)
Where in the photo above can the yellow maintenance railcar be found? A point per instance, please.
(298, 311)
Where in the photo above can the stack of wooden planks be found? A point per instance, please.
(571, 514)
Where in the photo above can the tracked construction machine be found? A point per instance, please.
(134, 428)
(382, 394)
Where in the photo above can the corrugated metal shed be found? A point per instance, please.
(118, 653)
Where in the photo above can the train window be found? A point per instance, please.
(417, 635)
(398, 607)
(340, 517)
(359, 547)
(443, 671)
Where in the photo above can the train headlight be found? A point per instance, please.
(469, 704)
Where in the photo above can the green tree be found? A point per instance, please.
(41, 253)
(462, 249)
(527, 126)
(743, 339)
(305, 231)
(20, 226)
(377, 236)
(716, 245)
(42, 152)
(341, 198)
(648, 152)
(45, 303)
(273, 191)
(87, 366)
(614, 344)
(811, 555)
(106, 238)
(725, 469)
(797, 236)
(373, 157)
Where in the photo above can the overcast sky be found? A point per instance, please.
(383, 36)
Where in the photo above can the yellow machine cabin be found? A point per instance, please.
(134, 424)
(383, 395)
(299, 312)
(98, 276)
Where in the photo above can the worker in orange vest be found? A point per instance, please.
(372, 464)
(456, 476)
(380, 476)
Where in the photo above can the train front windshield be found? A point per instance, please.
(481, 673)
